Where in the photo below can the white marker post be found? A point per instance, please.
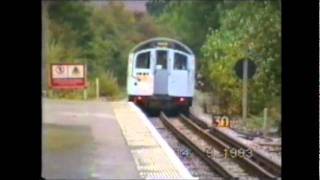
(244, 90)
(85, 94)
(265, 119)
(97, 88)
(50, 93)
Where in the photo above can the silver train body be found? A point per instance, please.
(161, 74)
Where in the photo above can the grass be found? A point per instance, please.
(78, 95)
(253, 124)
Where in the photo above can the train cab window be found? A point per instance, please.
(180, 62)
(162, 59)
(143, 61)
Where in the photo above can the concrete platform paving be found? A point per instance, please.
(82, 140)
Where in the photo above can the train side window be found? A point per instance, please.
(162, 59)
(180, 62)
(143, 61)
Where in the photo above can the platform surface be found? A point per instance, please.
(104, 140)
(153, 156)
(82, 140)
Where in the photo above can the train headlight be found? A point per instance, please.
(181, 101)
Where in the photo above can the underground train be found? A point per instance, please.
(161, 74)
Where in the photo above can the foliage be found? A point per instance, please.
(74, 17)
(99, 37)
(156, 7)
(251, 30)
(190, 21)
(112, 41)
(108, 85)
(223, 32)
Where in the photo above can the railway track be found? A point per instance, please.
(197, 167)
(259, 160)
(213, 148)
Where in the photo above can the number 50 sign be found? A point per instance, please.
(223, 121)
(67, 76)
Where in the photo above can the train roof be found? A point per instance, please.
(162, 42)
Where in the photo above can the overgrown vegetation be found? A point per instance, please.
(100, 37)
(223, 32)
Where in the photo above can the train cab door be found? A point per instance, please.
(161, 72)
(143, 73)
(179, 82)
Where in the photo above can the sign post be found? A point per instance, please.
(68, 76)
(245, 69)
(244, 90)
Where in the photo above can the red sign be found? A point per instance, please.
(67, 76)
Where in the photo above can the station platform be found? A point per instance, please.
(104, 140)
(153, 157)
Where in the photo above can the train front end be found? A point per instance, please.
(161, 75)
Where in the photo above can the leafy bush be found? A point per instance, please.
(251, 30)
(109, 86)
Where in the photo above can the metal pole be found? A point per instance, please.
(97, 88)
(44, 44)
(244, 90)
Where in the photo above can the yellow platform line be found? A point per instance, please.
(152, 161)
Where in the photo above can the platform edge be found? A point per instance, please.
(164, 145)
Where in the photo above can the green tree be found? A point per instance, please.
(191, 21)
(250, 30)
(74, 16)
(109, 49)
(99, 37)
(156, 7)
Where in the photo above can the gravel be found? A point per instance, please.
(193, 163)
(273, 152)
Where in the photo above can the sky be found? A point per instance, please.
(138, 5)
